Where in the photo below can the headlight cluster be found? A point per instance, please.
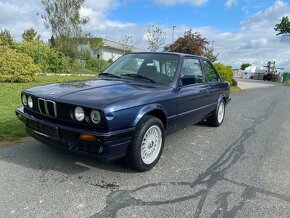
(94, 116)
(27, 101)
(79, 114)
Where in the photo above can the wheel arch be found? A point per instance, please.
(155, 110)
(222, 97)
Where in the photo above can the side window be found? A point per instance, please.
(210, 72)
(192, 67)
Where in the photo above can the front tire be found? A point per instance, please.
(217, 118)
(146, 145)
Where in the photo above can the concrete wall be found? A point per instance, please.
(106, 53)
(111, 50)
(111, 53)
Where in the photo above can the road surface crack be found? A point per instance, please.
(120, 199)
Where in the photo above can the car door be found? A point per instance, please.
(193, 97)
(214, 82)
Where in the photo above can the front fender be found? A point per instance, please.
(226, 98)
(222, 96)
(146, 110)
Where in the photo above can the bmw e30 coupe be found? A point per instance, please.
(127, 111)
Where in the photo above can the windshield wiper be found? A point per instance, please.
(109, 75)
(138, 76)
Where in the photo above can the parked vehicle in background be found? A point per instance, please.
(272, 73)
(246, 75)
(129, 108)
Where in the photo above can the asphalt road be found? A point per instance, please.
(241, 169)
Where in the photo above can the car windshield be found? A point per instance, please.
(150, 67)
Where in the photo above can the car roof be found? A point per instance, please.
(175, 53)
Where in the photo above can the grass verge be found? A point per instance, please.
(235, 89)
(11, 128)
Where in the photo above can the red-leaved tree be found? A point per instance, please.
(192, 43)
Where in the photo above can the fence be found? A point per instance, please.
(286, 77)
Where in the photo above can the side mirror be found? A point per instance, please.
(187, 80)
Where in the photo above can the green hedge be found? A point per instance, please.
(96, 65)
(286, 77)
(16, 67)
(51, 60)
(234, 82)
(226, 72)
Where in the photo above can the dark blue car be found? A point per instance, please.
(129, 108)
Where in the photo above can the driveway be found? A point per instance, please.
(251, 84)
(240, 169)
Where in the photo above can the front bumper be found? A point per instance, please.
(228, 100)
(106, 146)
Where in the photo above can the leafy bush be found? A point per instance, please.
(86, 55)
(226, 72)
(57, 62)
(51, 60)
(234, 82)
(16, 67)
(96, 64)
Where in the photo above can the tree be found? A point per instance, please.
(191, 43)
(155, 38)
(283, 28)
(209, 52)
(6, 38)
(96, 44)
(29, 35)
(245, 65)
(63, 17)
(52, 41)
(68, 46)
(127, 43)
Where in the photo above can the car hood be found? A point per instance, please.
(97, 93)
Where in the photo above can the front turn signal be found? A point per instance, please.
(87, 137)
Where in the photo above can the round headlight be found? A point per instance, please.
(79, 114)
(95, 116)
(24, 100)
(30, 102)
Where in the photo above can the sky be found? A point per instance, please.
(242, 30)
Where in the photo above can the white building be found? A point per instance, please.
(111, 50)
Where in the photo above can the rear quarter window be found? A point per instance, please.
(210, 72)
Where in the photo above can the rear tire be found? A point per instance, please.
(217, 118)
(146, 145)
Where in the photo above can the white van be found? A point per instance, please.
(246, 75)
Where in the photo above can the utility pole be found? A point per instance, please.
(81, 57)
(38, 48)
(173, 33)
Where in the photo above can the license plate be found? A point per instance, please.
(43, 128)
